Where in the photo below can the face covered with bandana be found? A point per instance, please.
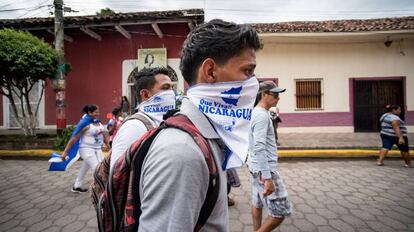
(157, 105)
(158, 99)
(226, 97)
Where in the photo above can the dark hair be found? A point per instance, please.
(218, 40)
(146, 61)
(124, 98)
(116, 111)
(145, 79)
(259, 97)
(390, 108)
(89, 108)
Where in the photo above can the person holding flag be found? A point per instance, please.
(86, 142)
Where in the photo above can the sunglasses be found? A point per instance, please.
(275, 95)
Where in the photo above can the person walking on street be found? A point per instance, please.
(233, 180)
(153, 87)
(114, 123)
(393, 131)
(267, 185)
(274, 114)
(91, 138)
(175, 176)
(125, 107)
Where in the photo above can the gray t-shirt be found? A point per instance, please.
(174, 180)
(262, 143)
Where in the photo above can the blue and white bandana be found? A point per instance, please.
(156, 106)
(228, 106)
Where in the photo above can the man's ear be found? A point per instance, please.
(207, 71)
(144, 94)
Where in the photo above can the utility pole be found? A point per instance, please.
(59, 82)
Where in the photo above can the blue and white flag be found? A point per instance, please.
(229, 106)
(73, 154)
(55, 158)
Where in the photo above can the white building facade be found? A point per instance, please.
(339, 75)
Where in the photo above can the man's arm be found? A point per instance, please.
(260, 127)
(174, 183)
(396, 125)
(128, 133)
(259, 131)
(72, 142)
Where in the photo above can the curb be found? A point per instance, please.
(334, 153)
(44, 154)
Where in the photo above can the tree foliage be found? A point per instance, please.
(105, 12)
(25, 61)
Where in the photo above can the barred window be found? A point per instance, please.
(308, 94)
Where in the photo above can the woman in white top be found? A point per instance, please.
(91, 138)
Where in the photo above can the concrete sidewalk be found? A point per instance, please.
(290, 141)
(293, 145)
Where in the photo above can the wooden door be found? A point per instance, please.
(370, 98)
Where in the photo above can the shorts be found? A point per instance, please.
(277, 203)
(389, 141)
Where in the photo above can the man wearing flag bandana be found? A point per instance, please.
(218, 60)
(153, 88)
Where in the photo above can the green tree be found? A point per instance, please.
(25, 63)
(105, 12)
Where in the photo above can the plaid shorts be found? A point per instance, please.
(277, 203)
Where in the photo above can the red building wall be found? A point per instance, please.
(96, 75)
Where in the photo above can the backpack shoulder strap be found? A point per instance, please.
(142, 118)
(137, 153)
(183, 123)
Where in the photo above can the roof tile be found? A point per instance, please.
(382, 24)
(192, 14)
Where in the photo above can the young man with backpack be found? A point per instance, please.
(153, 88)
(173, 178)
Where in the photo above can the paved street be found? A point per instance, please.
(328, 195)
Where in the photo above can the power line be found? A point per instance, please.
(35, 8)
(12, 2)
(37, 13)
(25, 8)
(119, 5)
(15, 9)
(6, 5)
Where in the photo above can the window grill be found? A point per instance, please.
(308, 94)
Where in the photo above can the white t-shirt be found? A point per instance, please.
(127, 134)
(93, 137)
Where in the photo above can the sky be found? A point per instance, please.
(239, 11)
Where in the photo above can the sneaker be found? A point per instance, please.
(379, 163)
(79, 190)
